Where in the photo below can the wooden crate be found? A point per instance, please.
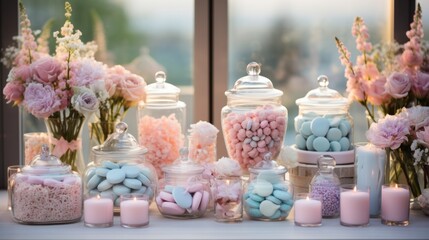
(300, 176)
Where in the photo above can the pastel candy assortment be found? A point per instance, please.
(323, 134)
(178, 201)
(267, 199)
(249, 136)
(114, 179)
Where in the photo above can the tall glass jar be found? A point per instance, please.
(119, 167)
(326, 185)
(182, 192)
(267, 195)
(161, 122)
(323, 125)
(46, 192)
(254, 121)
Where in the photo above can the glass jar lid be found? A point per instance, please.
(323, 96)
(184, 165)
(253, 85)
(161, 91)
(46, 164)
(120, 142)
(326, 163)
(268, 164)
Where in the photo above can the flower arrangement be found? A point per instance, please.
(392, 82)
(125, 90)
(64, 89)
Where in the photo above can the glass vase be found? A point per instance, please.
(370, 168)
(65, 136)
(99, 131)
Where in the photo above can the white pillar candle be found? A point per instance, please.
(134, 212)
(98, 212)
(308, 212)
(395, 204)
(354, 207)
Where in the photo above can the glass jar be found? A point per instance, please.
(46, 192)
(254, 122)
(323, 125)
(183, 193)
(161, 122)
(267, 195)
(119, 167)
(326, 185)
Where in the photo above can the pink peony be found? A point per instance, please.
(41, 101)
(376, 91)
(86, 72)
(132, 88)
(13, 91)
(420, 85)
(417, 116)
(423, 135)
(398, 85)
(389, 132)
(45, 70)
(21, 73)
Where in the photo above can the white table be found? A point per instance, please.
(208, 228)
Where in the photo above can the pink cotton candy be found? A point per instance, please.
(202, 141)
(162, 137)
(261, 131)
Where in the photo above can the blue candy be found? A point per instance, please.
(335, 146)
(182, 197)
(319, 126)
(321, 144)
(345, 144)
(334, 134)
(309, 143)
(300, 142)
(256, 198)
(251, 203)
(115, 176)
(132, 183)
(305, 129)
(110, 165)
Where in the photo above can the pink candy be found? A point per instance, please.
(251, 135)
(202, 142)
(162, 137)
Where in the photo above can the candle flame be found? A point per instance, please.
(135, 198)
(308, 198)
(396, 185)
(354, 189)
(98, 196)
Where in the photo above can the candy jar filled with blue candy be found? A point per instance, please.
(324, 125)
(267, 195)
(119, 167)
(182, 192)
(326, 186)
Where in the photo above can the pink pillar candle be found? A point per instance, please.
(354, 206)
(307, 211)
(98, 212)
(395, 205)
(134, 210)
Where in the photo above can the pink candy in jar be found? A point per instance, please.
(202, 142)
(254, 122)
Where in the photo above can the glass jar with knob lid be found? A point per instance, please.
(323, 125)
(182, 192)
(161, 122)
(119, 167)
(254, 121)
(46, 191)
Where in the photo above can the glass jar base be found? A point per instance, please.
(135, 225)
(354, 225)
(395, 223)
(229, 220)
(308, 224)
(98, 225)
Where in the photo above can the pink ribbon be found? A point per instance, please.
(62, 145)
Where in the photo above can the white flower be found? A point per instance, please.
(227, 167)
(99, 88)
(418, 116)
(84, 101)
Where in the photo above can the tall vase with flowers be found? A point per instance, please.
(63, 89)
(391, 81)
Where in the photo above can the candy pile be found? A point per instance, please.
(163, 139)
(177, 201)
(251, 135)
(330, 195)
(114, 179)
(323, 135)
(41, 200)
(202, 142)
(267, 198)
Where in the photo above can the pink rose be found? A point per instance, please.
(132, 88)
(13, 91)
(22, 73)
(398, 85)
(376, 91)
(420, 85)
(412, 58)
(389, 132)
(423, 135)
(45, 70)
(40, 100)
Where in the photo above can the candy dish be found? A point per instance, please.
(310, 157)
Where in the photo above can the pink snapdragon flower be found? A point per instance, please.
(389, 132)
(40, 100)
(45, 70)
(398, 85)
(412, 55)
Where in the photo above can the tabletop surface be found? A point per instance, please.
(207, 228)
